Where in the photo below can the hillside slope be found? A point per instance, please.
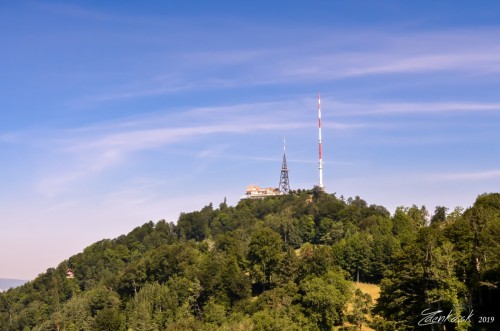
(283, 263)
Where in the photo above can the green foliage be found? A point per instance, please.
(360, 308)
(214, 314)
(264, 254)
(195, 225)
(451, 266)
(108, 319)
(324, 298)
(282, 263)
(315, 260)
(269, 320)
(439, 214)
(152, 307)
(356, 254)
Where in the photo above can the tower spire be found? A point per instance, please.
(320, 146)
(284, 186)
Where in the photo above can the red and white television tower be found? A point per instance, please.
(320, 146)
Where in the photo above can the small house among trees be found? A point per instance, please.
(70, 274)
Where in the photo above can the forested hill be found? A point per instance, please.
(283, 263)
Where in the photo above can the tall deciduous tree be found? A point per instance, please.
(264, 254)
(324, 299)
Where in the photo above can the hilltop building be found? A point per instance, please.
(256, 192)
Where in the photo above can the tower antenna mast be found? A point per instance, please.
(320, 142)
(284, 183)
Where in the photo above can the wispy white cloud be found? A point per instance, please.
(470, 52)
(158, 129)
(388, 108)
(147, 138)
(429, 177)
(343, 126)
(401, 63)
(399, 52)
(9, 137)
(208, 156)
(469, 176)
(130, 93)
(227, 58)
(88, 151)
(93, 149)
(212, 152)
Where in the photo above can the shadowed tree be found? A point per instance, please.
(264, 254)
(439, 215)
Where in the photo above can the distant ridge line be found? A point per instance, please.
(8, 283)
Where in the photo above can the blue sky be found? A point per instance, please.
(113, 114)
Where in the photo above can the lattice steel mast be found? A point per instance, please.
(284, 186)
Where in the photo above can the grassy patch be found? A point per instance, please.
(372, 289)
(374, 292)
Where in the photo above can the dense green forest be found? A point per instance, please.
(283, 263)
